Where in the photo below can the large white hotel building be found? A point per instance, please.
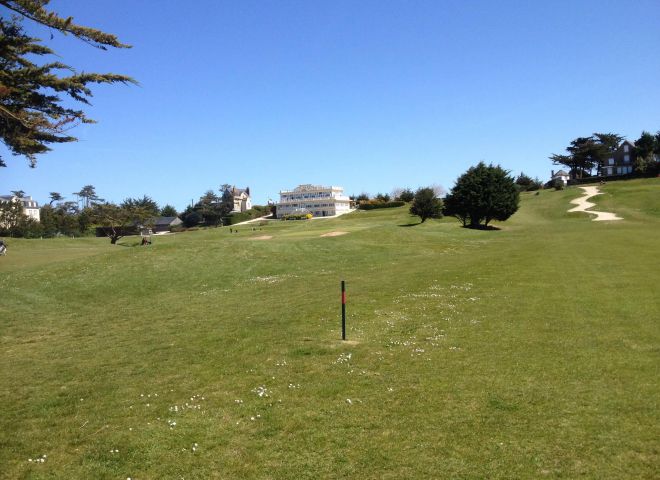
(315, 199)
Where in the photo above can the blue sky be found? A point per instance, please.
(368, 95)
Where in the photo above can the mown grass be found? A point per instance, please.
(529, 352)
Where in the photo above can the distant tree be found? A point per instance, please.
(116, 219)
(192, 218)
(33, 113)
(526, 183)
(214, 208)
(587, 153)
(647, 153)
(168, 211)
(88, 195)
(483, 193)
(425, 204)
(55, 197)
(11, 215)
(406, 195)
(145, 203)
(382, 197)
(18, 193)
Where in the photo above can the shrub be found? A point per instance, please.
(372, 205)
(297, 216)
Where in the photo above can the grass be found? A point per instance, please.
(529, 352)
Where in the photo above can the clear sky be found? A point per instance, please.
(368, 95)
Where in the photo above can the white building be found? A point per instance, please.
(242, 200)
(315, 199)
(30, 207)
(561, 175)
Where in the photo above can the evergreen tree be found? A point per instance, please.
(406, 195)
(483, 193)
(88, 195)
(32, 113)
(145, 203)
(426, 205)
(168, 211)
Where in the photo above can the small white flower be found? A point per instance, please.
(348, 400)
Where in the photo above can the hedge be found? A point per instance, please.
(375, 205)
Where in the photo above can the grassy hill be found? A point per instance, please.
(529, 352)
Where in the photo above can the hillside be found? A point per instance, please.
(528, 352)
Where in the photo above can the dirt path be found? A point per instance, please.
(583, 204)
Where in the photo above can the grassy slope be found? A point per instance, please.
(527, 352)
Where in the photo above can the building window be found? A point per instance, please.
(625, 148)
(610, 161)
(626, 158)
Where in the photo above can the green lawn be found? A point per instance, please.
(528, 352)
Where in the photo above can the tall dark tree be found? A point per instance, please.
(145, 203)
(168, 211)
(116, 220)
(426, 205)
(55, 197)
(18, 193)
(406, 195)
(88, 196)
(587, 153)
(33, 113)
(482, 194)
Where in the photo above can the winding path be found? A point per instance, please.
(583, 203)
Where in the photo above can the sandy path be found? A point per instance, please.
(333, 234)
(583, 204)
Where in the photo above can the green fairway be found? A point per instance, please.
(528, 352)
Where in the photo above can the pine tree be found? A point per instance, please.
(32, 113)
(483, 193)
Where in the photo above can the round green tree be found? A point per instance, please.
(426, 204)
(483, 193)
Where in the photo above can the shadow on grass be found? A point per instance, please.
(483, 227)
(410, 224)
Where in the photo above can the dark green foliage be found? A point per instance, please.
(88, 195)
(426, 204)
(647, 150)
(116, 220)
(255, 212)
(32, 112)
(363, 197)
(372, 205)
(528, 184)
(406, 195)
(145, 203)
(483, 193)
(382, 197)
(55, 197)
(168, 211)
(192, 219)
(587, 153)
(558, 184)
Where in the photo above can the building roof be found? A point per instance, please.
(164, 220)
(560, 173)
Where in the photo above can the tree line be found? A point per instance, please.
(588, 155)
(62, 217)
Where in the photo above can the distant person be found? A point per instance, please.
(3, 248)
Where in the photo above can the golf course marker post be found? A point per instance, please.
(343, 310)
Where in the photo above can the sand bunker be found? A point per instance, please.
(262, 237)
(333, 234)
(583, 204)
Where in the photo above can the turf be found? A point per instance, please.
(527, 352)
